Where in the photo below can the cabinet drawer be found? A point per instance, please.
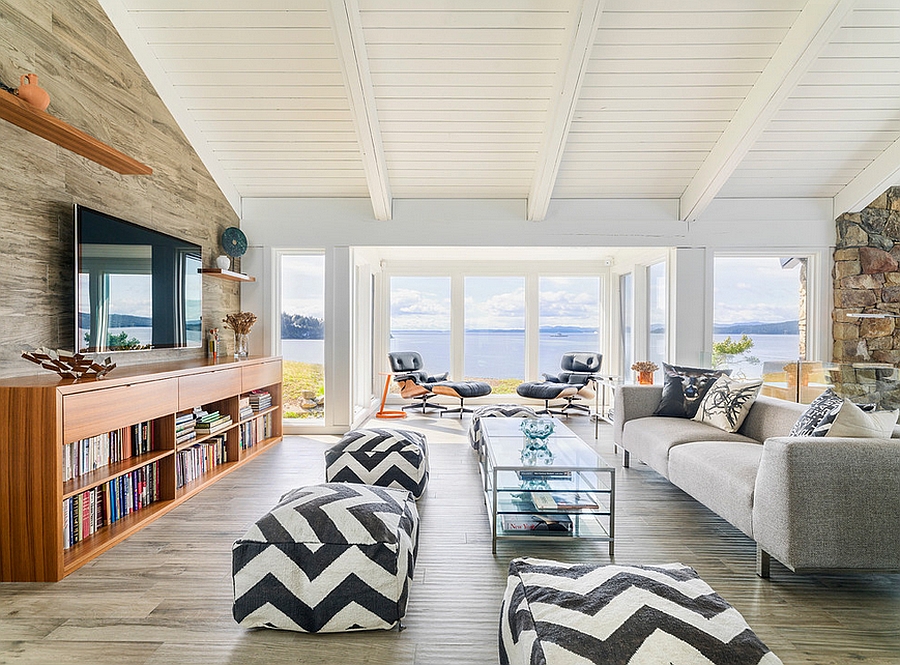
(260, 376)
(207, 387)
(98, 411)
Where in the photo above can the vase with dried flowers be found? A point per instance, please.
(240, 323)
(645, 369)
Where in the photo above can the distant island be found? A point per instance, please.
(758, 328)
(748, 328)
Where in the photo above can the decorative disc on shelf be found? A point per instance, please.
(234, 242)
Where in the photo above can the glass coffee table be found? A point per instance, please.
(564, 491)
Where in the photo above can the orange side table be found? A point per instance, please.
(381, 411)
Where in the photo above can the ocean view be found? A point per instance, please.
(493, 354)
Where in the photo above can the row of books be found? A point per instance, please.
(260, 400)
(80, 457)
(184, 427)
(196, 460)
(563, 501)
(536, 523)
(85, 513)
(254, 431)
(210, 422)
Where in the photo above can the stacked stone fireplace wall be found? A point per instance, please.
(867, 282)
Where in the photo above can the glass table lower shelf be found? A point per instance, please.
(570, 494)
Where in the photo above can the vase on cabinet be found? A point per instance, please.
(241, 346)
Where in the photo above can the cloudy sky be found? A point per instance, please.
(423, 303)
(755, 289)
(303, 285)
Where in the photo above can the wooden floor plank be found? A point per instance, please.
(163, 597)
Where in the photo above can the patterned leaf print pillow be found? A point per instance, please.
(820, 407)
(727, 403)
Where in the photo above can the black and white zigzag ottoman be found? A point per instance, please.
(328, 558)
(572, 614)
(495, 411)
(385, 457)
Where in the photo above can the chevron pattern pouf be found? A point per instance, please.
(384, 457)
(569, 614)
(328, 558)
(495, 411)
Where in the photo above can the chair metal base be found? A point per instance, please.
(461, 410)
(547, 411)
(425, 404)
(571, 406)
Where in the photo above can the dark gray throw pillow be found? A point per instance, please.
(685, 388)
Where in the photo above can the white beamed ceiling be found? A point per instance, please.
(421, 99)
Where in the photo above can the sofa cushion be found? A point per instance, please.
(770, 416)
(651, 438)
(853, 421)
(727, 403)
(684, 389)
(721, 475)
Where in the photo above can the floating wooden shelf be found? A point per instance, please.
(227, 274)
(43, 124)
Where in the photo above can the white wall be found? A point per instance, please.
(611, 226)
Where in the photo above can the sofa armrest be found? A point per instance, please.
(829, 503)
(633, 402)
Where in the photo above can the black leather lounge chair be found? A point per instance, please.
(577, 381)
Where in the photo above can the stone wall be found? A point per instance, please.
(867, 281)
(96, 86)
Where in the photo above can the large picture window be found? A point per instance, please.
(420, 319)
(499, 324)
(569, 318)
(303, 335)
(762, 298)
(495, 331)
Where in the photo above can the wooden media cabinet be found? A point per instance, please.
(41, 417)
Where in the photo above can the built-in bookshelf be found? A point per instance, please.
(85, 465)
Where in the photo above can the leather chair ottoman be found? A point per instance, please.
(462, 390)
(547, 391)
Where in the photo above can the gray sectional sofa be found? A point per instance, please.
(813, 503)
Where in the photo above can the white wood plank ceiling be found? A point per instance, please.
(531, 99)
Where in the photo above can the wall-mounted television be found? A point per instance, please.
(135, 288)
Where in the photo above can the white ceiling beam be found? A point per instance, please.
(813, 28)
(871, 182)
(121, 19)
(351, 47)
(562, 108)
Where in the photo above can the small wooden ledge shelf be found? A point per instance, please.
(227, 274)
(42, 124)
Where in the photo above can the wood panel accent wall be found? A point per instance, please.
(96, 86)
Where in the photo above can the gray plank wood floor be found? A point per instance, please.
(164, 596)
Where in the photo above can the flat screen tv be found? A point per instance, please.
(135, 288)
